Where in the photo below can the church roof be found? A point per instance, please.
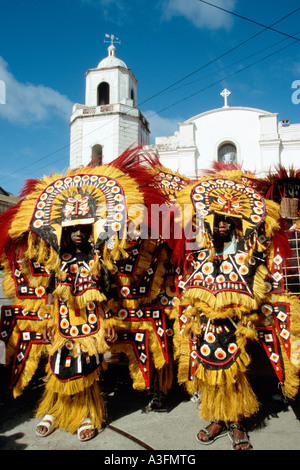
(229, 109)
(226, 108)
(111, 60)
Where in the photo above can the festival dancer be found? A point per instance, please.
(59, 246)
(231, 294)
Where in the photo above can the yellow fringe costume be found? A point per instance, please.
(112, 203)
(224, 296)
(144, 281)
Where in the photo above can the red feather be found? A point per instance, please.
(6, 219)
(28, 187)
(136, 157)
(138, 164)
(217, 167)
(281, 175)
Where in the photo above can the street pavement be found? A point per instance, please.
(167, 436)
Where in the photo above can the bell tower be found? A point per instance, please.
(109, 121)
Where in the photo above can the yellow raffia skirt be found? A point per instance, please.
(70, 403)
(226, 395)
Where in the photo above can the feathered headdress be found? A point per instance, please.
(227, 192)
(106, 197)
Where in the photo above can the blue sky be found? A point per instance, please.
(183, 53)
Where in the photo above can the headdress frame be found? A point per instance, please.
(226, 197)
(98, 196)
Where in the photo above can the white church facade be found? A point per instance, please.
(251, 137)
(109, 122)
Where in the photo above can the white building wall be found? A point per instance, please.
(99, 130)
(238, 126)
(290, 145)
(114, 127)
(76, 144)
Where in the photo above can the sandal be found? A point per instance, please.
(244, 440)
(47, 422)
(223, 432)
(86, 424)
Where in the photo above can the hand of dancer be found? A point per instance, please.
(111, 334)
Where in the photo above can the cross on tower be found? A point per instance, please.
(225, 93)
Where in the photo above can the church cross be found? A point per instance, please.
(225, 93)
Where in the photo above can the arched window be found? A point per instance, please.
(132, 96)
(103, 94)
(227, 153)
(96, 157)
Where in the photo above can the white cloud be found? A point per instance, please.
(27, 103)
(200, 14)
(160, 126)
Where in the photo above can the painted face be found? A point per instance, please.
(223, 227)
(80, 234)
